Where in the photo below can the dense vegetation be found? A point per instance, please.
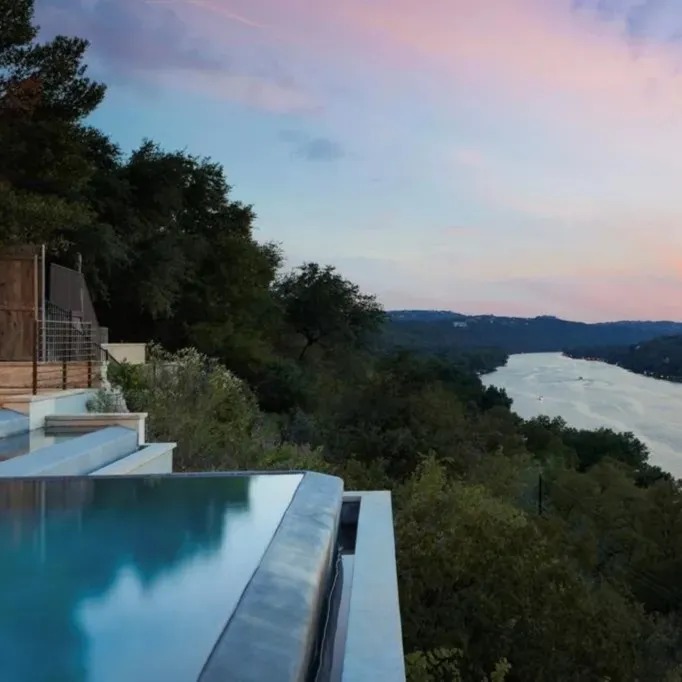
(426, 329)
(527, 550)
(660, 357)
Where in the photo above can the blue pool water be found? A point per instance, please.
(30, 441)
(106, 580)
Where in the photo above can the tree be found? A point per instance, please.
(325, 309)
(477, 575)
(191, 272)
(44, 94)
(42, 79)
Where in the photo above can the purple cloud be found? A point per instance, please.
(312, 148)
(128, 35)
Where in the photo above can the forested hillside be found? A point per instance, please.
(660, 357)
(428, 329)
(527, 550)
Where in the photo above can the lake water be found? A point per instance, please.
(605, 396)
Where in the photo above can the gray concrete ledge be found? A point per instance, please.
(151, 459)
(272, 632)
(374, 642)
(75, 457)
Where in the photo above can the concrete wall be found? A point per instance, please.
(133, 353)
(156, 458)
(93, 421)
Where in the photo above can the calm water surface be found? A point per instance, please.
(605, 396)
(127, 579)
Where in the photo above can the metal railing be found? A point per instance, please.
(66, 352)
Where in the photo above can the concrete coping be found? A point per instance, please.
(374, 640)
(97, 416)
(273, 632)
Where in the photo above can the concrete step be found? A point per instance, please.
(155, 458)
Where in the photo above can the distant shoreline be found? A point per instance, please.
(651, 375)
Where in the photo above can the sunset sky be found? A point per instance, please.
(486, 156)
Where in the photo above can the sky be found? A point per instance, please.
(513, 157)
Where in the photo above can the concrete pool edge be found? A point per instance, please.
(374, 643)
(274, 627)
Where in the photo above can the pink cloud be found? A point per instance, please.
(603, 297)
(252, 91)
(530, 49)
(536, 59)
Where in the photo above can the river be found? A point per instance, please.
(605, 396)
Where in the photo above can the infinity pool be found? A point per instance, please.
(127, 579)
(30, 441)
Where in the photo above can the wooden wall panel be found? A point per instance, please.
(20, 287)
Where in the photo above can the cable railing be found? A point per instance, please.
(66, 352)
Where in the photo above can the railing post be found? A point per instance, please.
(69, 337)
(89, 373)
(36, 341)
(64, 375)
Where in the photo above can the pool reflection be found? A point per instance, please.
(127, 579)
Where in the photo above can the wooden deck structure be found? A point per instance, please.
(42, 347)
(18, 377)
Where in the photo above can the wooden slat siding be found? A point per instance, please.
(19, 375)
(20, 286)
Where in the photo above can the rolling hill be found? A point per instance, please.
(437, 330)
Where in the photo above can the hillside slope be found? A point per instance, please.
(437, 329)
(660, 357)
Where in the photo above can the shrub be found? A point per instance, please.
(196, 402)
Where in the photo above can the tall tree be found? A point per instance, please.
(325, 309)
(192, 271)
(44, 95)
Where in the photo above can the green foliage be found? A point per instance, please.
(33, 218)
(325, 309)
(442, 665)
(479, 575)
(196, 402)
(44, 94)
(106, 401)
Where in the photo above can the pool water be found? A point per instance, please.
(30, 441)
(130, 579)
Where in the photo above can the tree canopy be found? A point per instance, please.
(325, 309)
